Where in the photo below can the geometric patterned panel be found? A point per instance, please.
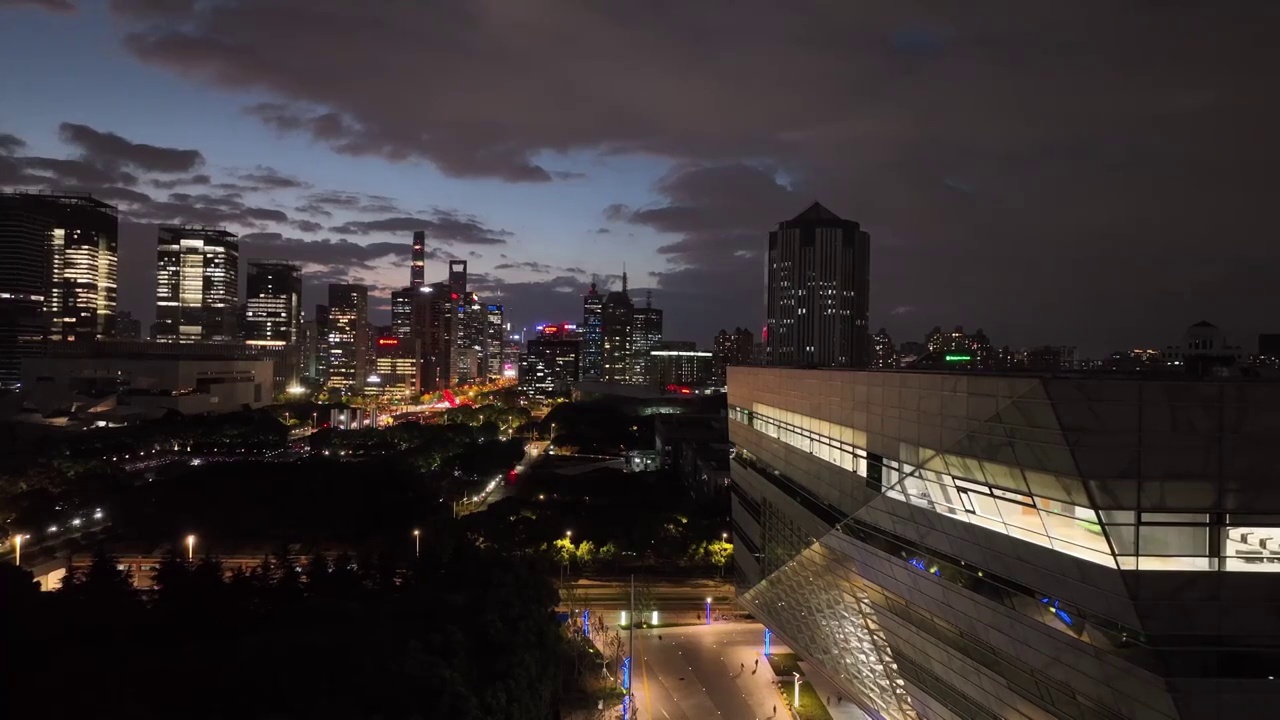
(811, 606)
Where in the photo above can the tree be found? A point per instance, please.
(719, 553)
(586, 553)
(564, 551)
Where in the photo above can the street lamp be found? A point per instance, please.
(191, 547)
(708, 611)
(17, 549)
(796, 700)
(417, 543)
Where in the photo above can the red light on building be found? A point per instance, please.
(389, 341)
(455, 296)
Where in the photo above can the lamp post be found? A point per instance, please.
(417, 543)
(564, 566)
(708, 611)
(191, 547)
(17, 548)
(796, 700)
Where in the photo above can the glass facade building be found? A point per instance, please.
(985, 546)
(197, 284)
(273, 303)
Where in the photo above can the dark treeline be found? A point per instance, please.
(463, 633)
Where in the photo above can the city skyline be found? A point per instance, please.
(974, 211)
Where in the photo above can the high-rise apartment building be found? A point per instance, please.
(615, 334)
(418, 263)
(197, 284)
(57, 273)
(730, 348)
(469, 338)
(273, 303)
(646, 333)
(592, 334)
(348, 331)
(883, 353)
(549, 366)
(818, 291)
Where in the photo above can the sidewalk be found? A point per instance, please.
(847, 710)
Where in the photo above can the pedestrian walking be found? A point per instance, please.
(839, 699)
(775, 708)
(757, 663)
(742, 666)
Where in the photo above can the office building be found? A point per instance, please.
(495, 331)
(83, 240)
(818, 278)
(616, 334)
(58, 267)
(1203, 350)
(308, 336)
(549, 366)
(273, 303)
(469, 338)
(433, 324)
(197, 284)
(730, 348)
(321, 357)
(592, 334)
(418, 262)
(397, 369)
(402, 310)
(348, 336)
(960, 545)
(680, 367)
(646, 333)
(127, 326)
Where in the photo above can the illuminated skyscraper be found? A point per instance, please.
(549, 368)
(730, 348)
(615, 331)
(818, 290)
(646, 333)
(57, 273)
(273, 303)
(348, 331)
(592, 365)
(494, 334)
(418, 267)
(197, 284)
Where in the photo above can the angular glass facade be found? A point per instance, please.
(1027, 547)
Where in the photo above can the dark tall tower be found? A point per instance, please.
(197, 284)
(418, 267)
(818, 286)
(458, 277)
(592, 365)
(273, 303)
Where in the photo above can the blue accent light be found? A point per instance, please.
(586, 622)
(1062, 614)
(626, 673)
(626, 707)
(919, 563)
(768, 640)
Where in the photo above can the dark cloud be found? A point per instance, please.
(108, 148)
(60, 6)
(265, 177)
(603, 231)
(323, 204)
(308, 226)
(60, 173)
(329, 252)
(11, 144)
(530, 266)
(171, 183)
(442, 227)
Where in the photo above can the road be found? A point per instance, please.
(704, 671)
(669, 595)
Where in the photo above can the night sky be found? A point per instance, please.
(1085, 173)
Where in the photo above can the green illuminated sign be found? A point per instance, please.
(957, 358)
